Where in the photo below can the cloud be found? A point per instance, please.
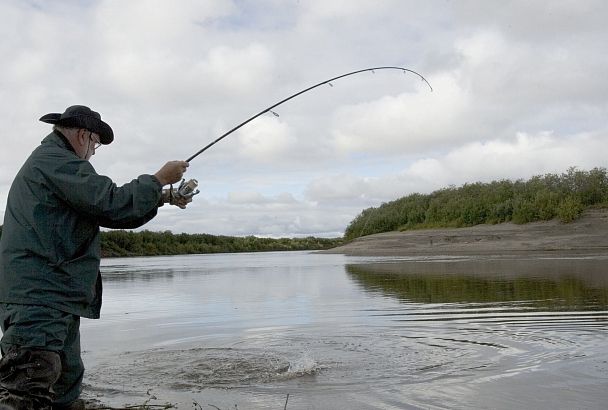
(349, 190)
(519, 90)
(281, 216)
(153, 25)
(221, 72)
(265, 140)
(412, 121)
(520, 157)
(536, 22)
(256, 198)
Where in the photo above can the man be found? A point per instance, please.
(50, 253)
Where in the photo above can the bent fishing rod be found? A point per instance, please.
(188, 189)
(329, 81)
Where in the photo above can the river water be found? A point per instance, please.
(304, 330)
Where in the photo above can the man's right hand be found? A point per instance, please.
(171, 172)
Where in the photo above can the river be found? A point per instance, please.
(304, 330)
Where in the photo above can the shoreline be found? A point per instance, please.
(585, 237)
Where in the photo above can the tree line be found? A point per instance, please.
(148, 243)
(542, 197)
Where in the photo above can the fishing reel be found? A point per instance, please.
(187, 189)
(176, 196)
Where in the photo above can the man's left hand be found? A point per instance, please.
(174, 198)
(181, 201)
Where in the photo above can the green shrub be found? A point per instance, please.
(524, 211)
(542, 197)
(545, 203)
(569, 209)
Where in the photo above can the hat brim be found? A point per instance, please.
(51, 118)
(106, 135)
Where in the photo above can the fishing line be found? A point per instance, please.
(329, 81)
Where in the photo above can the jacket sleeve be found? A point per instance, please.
(75, 182)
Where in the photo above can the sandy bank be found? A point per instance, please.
(588, 236)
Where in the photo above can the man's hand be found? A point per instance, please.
(174, 198)
(171, 172)
(182, 201)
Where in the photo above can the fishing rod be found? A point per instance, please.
(269, 109)
(188, 189)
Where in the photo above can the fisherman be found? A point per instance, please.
(50, 254)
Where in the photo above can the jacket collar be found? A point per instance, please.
(60, 139)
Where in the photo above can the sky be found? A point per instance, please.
(520, 88)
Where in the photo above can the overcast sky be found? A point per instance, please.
(520, 89)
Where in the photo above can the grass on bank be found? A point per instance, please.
(540, 198)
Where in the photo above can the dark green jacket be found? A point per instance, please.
(50, 245)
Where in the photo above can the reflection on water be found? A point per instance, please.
(351, 333)
(523, 330)
(547, 284)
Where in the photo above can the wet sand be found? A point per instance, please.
(587, 236)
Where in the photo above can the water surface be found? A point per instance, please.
(334, 332)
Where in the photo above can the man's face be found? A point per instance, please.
(88, 143)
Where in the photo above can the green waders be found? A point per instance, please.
(41, 367)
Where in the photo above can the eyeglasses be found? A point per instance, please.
(97, 143)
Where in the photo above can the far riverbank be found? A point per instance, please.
(587, 236)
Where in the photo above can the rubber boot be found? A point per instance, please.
(27, 377)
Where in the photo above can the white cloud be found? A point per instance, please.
(397, 124)
(256, 198)
(523, 156)
(266, 139)
(337, 188)
(519, 157)
(341, 9)
(271, 217)
(519, 90)
(220, 72)
(150, 25)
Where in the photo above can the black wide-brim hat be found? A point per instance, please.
(79, 116)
